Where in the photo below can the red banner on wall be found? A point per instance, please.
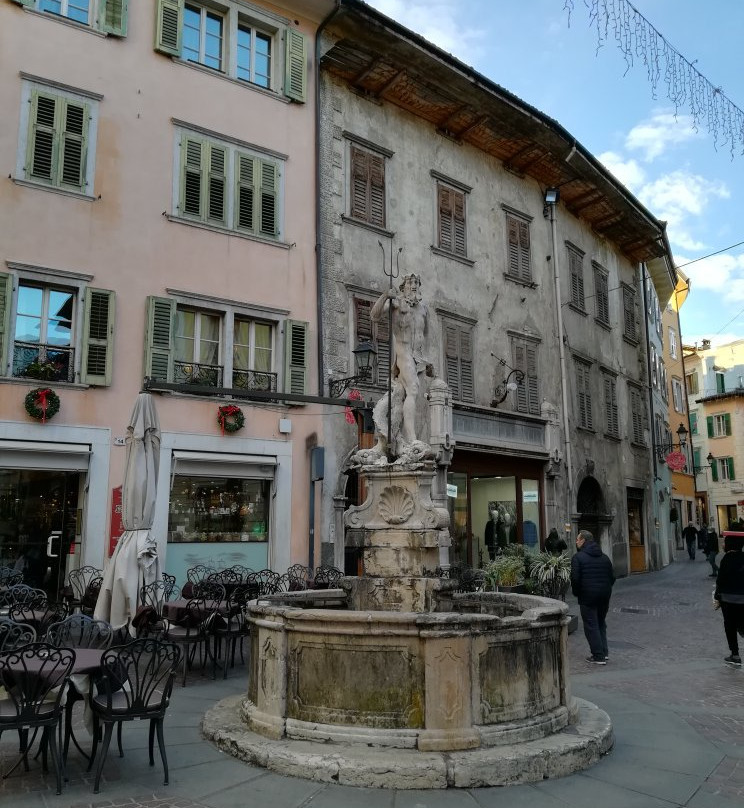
(117, 519)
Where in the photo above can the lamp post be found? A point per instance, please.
(364, 358)
(513, 379)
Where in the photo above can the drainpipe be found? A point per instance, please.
(318, 246)
(562, 356)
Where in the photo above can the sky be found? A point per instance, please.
(551, 59)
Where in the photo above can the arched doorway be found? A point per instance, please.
(590, 506)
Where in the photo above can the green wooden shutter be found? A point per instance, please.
(295, 356)
(730, 461)
(268, 219)
(42, 154)
(696, 459)
(169, 26)
(245, 193)
(693, 423)
(216, 184)
(727, 421)
(714, 470)
(73, 145)
(709, 421)
(159, 338)
(113, 16)
(192, 179)
(295, 63)
(98, 337)
(6, 293)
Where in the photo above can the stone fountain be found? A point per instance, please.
(412, 685)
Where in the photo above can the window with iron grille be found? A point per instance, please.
(59, 331)
(637, 416)
(458, 358)
(576, 269)
(451, 233)
(229, 187)
(601, 295)
(612, 421)
(377, 333)
(629, 313)
(525, 357)
(584, 394)
(367, 186)
(518, 257)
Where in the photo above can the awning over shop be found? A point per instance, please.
(223, 464)
(44, 455)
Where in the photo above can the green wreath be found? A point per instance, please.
(41, 403)
(230, 418)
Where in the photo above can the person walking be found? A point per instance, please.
(711, 550)
(689, 534)
(729, 594)
(592, 577)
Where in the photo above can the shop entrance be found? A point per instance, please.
(38, 524)
(636, 535)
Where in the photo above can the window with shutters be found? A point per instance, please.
(239, 41)
(107, 16)
(576, 271)
(451, 228)
(518, 254)
(225, 186)
(612, 421)
(629, 314)
(377, 333)
(57, 138)
(672, 343)
(637, 416)
(678, 398)
(601, 296)
(584, 394)
(191, 343)
(525, 356)
(54, 327)
(691, 380)
(719, 425)
(366, 185)
(458, 358)
(724, 466)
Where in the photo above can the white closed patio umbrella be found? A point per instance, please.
(134, 562)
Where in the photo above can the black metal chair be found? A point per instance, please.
(79, 581)
(22, 595)
(78, 631)
(326, 577)
(149, 618)
(136, 682)
(299, 577)
(13, 635)
(10, 576)
(35, 679)
(231, 628)
(169, 582)
(189, 632)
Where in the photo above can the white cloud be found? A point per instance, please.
(442, 22)
(655, 135)
(628, 172)
(678, 197)
(717, 273)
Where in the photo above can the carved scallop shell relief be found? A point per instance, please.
(396, 505)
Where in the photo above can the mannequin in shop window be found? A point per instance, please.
(496, 533)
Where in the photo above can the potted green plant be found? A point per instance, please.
(505, 573)
(552, 574)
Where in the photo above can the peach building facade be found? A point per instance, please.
(157, 219)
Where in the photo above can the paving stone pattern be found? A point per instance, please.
(677, 711)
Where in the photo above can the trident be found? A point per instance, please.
(391, 274)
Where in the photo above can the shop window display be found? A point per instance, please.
(210, 509)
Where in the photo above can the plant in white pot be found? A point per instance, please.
(552, 574)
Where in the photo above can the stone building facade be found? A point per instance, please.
(538, 327)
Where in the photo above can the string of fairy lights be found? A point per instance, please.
(686, 87)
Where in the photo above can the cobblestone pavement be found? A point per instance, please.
(677, 712)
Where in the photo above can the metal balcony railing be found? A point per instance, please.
(195, 373)
(48, 363)
(254, 380)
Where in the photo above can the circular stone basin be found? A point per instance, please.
(492, 671)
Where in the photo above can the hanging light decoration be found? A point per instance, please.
(687, 87)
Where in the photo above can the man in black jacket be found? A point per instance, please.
(729, 594)
(592, 577)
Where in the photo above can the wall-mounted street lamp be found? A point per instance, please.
(508, 384)
(670, 446)
(364, 359)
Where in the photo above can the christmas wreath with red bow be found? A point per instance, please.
(42, 403)
(230, 418)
